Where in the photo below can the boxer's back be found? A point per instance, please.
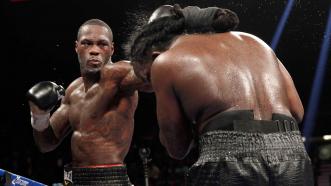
(228, 71)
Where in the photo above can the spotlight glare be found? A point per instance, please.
(327, 137)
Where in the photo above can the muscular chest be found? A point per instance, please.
(83, 105)
(98, 105)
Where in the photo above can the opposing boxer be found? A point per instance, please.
(231, 89)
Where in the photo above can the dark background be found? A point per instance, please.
(39, 45)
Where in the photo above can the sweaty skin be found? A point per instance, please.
(230, 71)
(98, 107)
(102, 121)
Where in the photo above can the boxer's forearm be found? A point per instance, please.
(132, 82)
(45, 140)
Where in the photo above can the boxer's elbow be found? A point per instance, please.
(177, 156)
(45, 143)
(174, 150)
(177, 153)
(298, 114)
(46, 147)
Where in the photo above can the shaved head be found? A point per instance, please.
(95, 22)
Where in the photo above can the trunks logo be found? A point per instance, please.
(67, 177)
(19, 181)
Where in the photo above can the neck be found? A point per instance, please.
(89, 80)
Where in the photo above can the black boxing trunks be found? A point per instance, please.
(114, 174)
(243, 151)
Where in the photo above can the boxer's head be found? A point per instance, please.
(94, 46)
(168, 22)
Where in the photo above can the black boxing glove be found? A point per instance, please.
(45, 94)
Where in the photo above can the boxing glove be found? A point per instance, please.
(45, 94)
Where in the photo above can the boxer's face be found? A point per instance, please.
(94, 48)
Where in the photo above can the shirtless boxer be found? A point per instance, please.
(98, 108)
(231, 89)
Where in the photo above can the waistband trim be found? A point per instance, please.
(101, 166)
(243, 120)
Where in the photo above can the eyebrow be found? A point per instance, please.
(99, 40)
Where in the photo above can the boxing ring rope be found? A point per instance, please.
(7, 179)
(313, 103)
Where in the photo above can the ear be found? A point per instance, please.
(155, 54)
(112, 48)
(76, 45)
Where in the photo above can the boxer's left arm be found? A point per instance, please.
(175, 129)
(59, 126)
(129, 80)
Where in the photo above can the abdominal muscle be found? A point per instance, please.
(92, 148)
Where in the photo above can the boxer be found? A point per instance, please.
(97, 108)
(230, 89)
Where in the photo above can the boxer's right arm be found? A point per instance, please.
(48, 131)
(296, 106)
(122, 72)
(58, 127)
